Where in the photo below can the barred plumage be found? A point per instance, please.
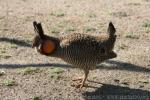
(81, 50)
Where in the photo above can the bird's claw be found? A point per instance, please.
(78, 85)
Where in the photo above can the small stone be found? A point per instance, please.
(116, 80)
(141, 86)
(144, 81)
(125, 83)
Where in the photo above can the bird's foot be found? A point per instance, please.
(78, 85)
(78, 82)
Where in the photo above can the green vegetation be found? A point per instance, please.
(58, 14)
(94, 77)
(146, 24)
(55, 30)
(55, 76)
(3, 51)
(70, 28)
(14, 46)
(147, 30)
(55, 73)
(62, 24)
(6, 56)
(30, 70)
(36, 98)
(9, 83)
(56, 70)
(90, 29)
(119, 14)
(131, 36)
(91, 15)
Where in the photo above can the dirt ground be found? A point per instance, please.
(27, 75)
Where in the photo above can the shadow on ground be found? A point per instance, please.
(112, 92)
(15, 41)
(12, 66)
(114, 65)
(124, 66)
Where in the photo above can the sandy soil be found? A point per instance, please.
(26, 75)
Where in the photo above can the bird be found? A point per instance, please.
(83, 51)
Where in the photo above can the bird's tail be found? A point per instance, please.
(112, 36)
(111, 30)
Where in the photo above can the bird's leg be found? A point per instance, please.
(86, 72)
(83, 79)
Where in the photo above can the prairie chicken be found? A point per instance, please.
(81, 50)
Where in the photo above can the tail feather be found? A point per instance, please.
(111, 30)
(112, 36)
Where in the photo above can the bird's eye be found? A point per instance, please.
(102, 50)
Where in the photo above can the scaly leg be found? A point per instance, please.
(86, 72)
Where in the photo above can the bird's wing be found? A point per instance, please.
(83, 43)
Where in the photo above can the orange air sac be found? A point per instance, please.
(48, 46)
